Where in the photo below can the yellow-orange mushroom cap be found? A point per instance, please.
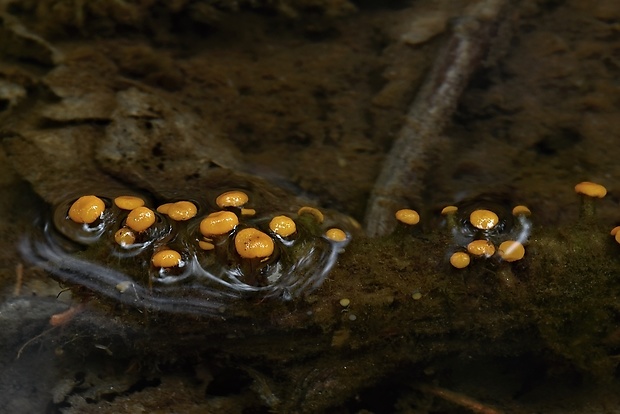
(181, 210)
(312, 211)
(163, 209)
(166, 258)
(283, 226)
(449, 210)
(233, 198)
(407, 216)
(140, 219)
(336, 234)
(481, 248)
(511, 251)
(460, 260)
(248, 212)
(218, 223)
(86, 209)
(125, 237)
(205, 245)
(483, 219)
(591, 189)
(252, 243)
(521, 211)
(615, 230)
(128, 202)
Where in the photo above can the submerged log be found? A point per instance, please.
(390, 305)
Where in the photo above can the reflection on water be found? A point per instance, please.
(88, 255)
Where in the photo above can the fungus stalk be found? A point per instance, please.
(450, 213)
(509, 251)
(589, 192)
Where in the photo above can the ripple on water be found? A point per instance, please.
(196, 271)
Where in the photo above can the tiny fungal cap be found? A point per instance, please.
(166, 258)
(182, 210)
(124, 237)
(521, 211)
(483, 219)
(481, 248)
(248, 212)
(140, 219)
(218, 223)
(460, 260)
(128, 202)
(233, 198)
(283, 226)
(591, 189)
(449, 210)
(615, 230)
(163, 209)
(86, 209)
(336, 235)
(252, 243)
(344, 302)
(407, 216)
(205, 245)
(312, 211)
(511, 251)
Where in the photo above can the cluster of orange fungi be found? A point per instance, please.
(250, 243)
(486, 220)
(482, 247)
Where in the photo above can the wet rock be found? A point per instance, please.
(82, 90)
(155, 140)
(11, 93)
(53, 161)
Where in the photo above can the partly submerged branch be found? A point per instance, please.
(401, 179)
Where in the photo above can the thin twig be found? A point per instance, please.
(459, 399)
(31, 340)
(406, 164)
(19, 279)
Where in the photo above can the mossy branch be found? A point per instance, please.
(407, 307)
